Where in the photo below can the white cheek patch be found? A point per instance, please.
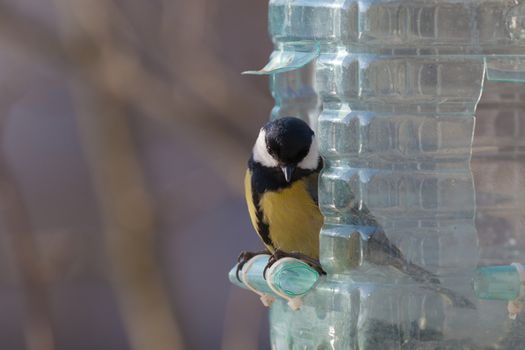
(311, 161)
(260, 152)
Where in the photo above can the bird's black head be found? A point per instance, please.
(288, 139)
(287, 143)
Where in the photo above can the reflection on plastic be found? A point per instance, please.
(285, 61)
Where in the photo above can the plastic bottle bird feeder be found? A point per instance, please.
(391, 88)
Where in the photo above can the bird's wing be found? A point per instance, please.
(383, 252)
(312, 185)
(256, 215)
(381, 248)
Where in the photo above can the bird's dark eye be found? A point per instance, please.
(303, 152)
(274, 149)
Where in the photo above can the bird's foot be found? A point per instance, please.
(244, 257)
(279, 254)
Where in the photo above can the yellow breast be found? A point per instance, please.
(294, 219)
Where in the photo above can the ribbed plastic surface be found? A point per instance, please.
(391, 88)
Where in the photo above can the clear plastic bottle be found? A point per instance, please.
(391, 88)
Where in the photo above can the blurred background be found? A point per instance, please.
(125, 128)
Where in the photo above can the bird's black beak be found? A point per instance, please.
(288, 172)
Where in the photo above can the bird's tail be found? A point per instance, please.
(419, 274)
(454, 298)
(431, 282)
(382, 252)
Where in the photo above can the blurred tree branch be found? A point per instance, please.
(185, 81)
(146, 65)
(30, 36)
(129, 223)
(102, 104)
(17, 223)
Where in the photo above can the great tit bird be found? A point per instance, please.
(281, 193)
(281, 190)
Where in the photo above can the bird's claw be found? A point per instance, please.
(271, 261)
(279, 254)
(243, 258)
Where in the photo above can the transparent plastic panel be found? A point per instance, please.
(295, 94)
(293, 57)
(498, 164)
(393, 95)
(403, 26)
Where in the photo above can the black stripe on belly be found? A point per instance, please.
(262, 228)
